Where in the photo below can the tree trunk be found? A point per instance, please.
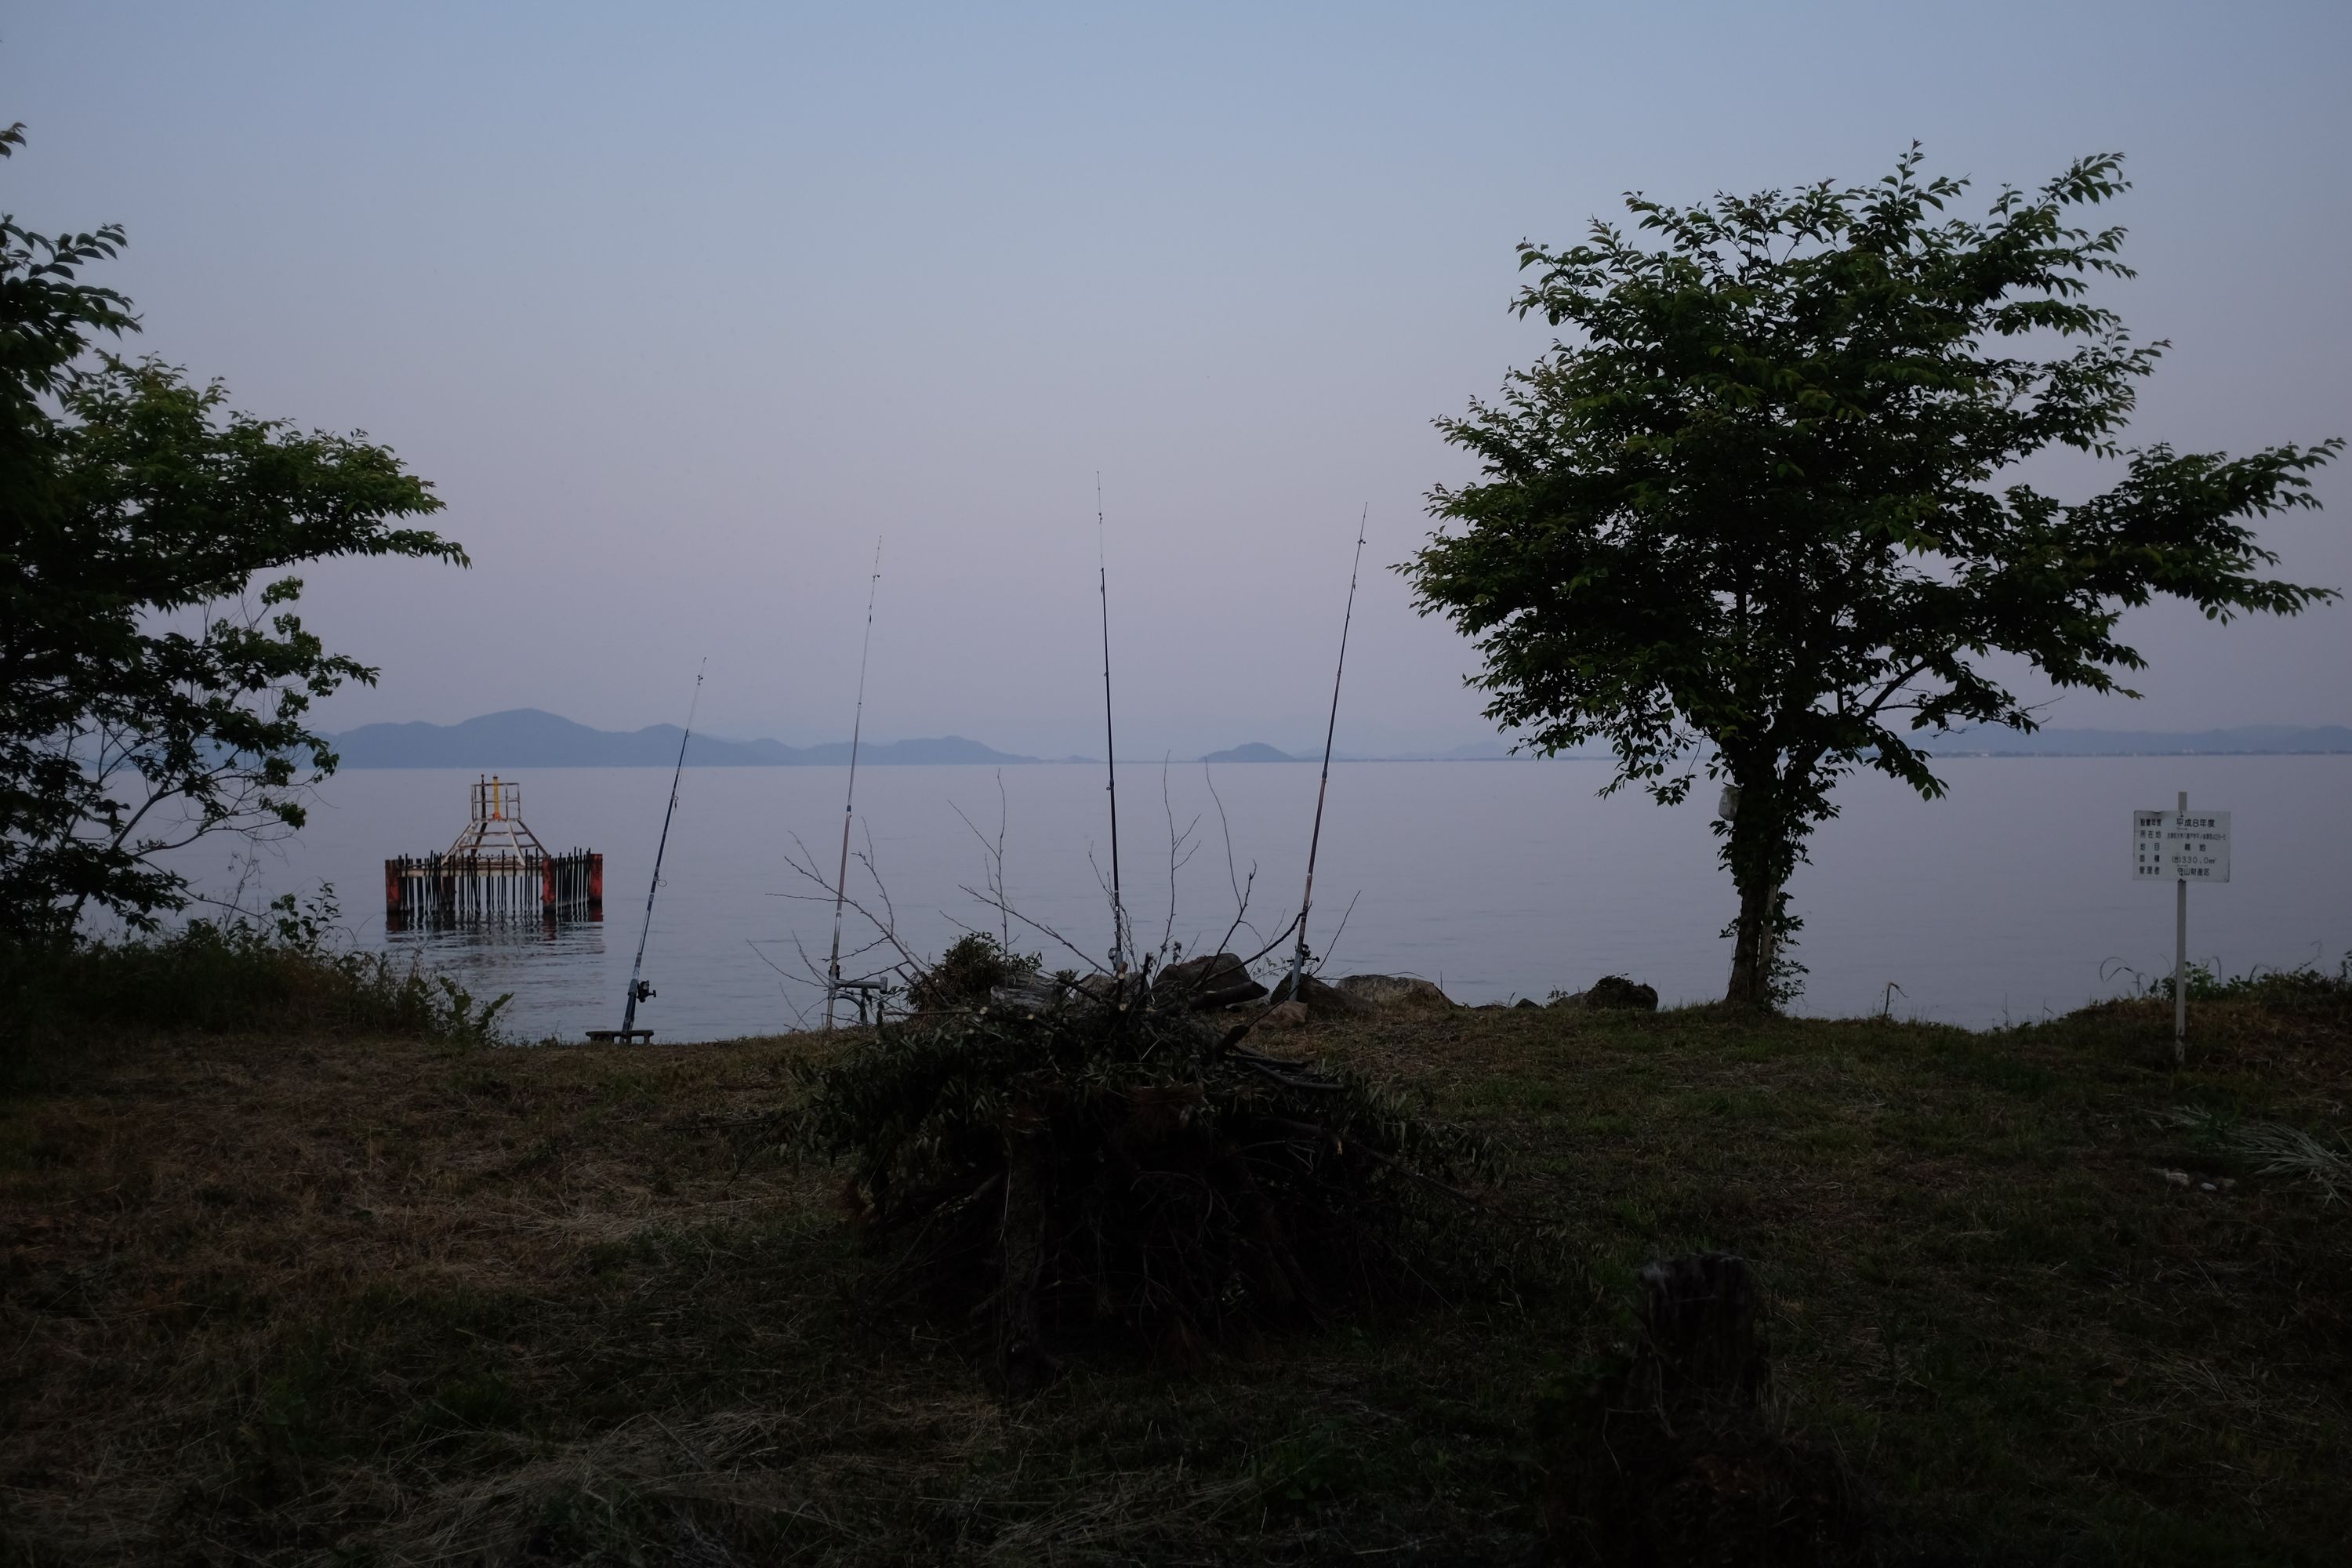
(1751, 949)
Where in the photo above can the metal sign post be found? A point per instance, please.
(2180, 954)
(2186, 847)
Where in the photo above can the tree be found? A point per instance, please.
(149, 692)
(1760, 516)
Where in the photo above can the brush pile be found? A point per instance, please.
(1080, 1162)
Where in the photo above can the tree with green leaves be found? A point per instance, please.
(155, 681)
(1758, 514)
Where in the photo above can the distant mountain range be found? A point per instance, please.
(2250, 740)
(1259, 752)
(529, 738)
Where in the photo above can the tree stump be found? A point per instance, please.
(1674, 1456)
(1698, 1325)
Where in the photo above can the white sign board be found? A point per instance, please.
(2181, 845)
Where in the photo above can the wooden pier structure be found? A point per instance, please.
(497, 872)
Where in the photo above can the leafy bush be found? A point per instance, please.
(1113, 1165)
(278, 971)
(967, 973)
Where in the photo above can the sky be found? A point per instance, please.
(680, 308)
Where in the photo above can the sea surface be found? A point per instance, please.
(2010, 900)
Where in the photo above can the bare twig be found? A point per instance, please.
(884, 924)
(1179, 853)
(1039, 927)
(1336, 935)
(1004, 815)
(994, 856)
(800, 1014)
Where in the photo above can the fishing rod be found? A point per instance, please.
(1315, 841)
(638, 990)
(856, 730)
(1110, 749)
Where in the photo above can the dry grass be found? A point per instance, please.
(274, 1301)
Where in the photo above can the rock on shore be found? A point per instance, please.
(1614, 991)
(1392, 990)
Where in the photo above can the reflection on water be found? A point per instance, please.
(555, 970)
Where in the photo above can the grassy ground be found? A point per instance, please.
(298, 1299)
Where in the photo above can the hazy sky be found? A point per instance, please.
(679, 306)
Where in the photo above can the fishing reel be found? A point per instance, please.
(641, 991)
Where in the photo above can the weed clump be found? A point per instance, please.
(1075, 1161)
(2307, 989)
(965, 974)
(278, 972)
(2323, 1160)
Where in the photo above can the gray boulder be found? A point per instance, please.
(1616, 991)
(1210, 979)
(1392, 990)
(1322, 999)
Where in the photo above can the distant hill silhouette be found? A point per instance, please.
(2251, 740)
(529, 738)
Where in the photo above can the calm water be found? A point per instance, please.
(2008, 900)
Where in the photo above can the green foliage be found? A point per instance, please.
(970, 969)
(1135, 1172)
(2302, 987)
(1756, 515)
(279, 972)
(155, 681)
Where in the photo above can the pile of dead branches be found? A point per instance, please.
(1068, 1160)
